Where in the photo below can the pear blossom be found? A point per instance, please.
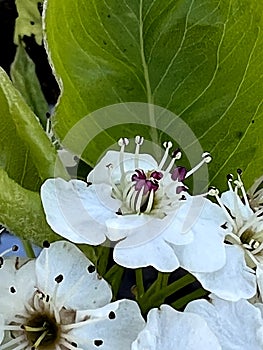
(138, 203)
(243, 225)
(58, 301)
(237, 325)
(169, 329)
(243, 229)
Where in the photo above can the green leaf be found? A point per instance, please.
(29, 21)
(22, 213)
(25, 80)
(200, 59)
(26, 153)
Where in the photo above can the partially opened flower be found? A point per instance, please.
(128, 198)
(244, 226)
(58, 301)
(237, 325)
(168, 329)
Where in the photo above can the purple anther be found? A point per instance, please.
(179, 173)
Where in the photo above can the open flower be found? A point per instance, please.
(169, 329)
(132, 200)
(58, 301)
(237, 325)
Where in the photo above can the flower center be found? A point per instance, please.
(142, 190)
(41, 330)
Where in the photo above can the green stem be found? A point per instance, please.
(154, 297)
(114, 277)
(182, 302)
(139, 283)
(28, 249)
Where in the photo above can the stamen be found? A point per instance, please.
(14, 248)
(206, 158)
(214, 192)
(239, 173)
(167, 146)
(39, 340)
(138, 200)
(123, 142)
(229, 181)
(15, 341)
(177, 154)
(150, 202)
(138, 141)
(114, 187)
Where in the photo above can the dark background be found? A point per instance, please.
(8, 15)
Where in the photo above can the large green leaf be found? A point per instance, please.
(201, 59)
(26, 153)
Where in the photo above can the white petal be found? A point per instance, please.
(23, 280)
(232, 282)
(206, 253)
(64, 258)
(100, 172)
(78, 212)
(117, 332)
(238, 325)
(2, 322)
(233, 202)
(168, 329)
(156, 253)
(143, 228)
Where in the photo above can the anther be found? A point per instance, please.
(206, 158)
(177, 154)
(167, 145)
(123, 141)
(138, 142)
(15, 248)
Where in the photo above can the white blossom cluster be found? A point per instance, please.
(143, 207)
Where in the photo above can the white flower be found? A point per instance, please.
(58, 301)
(237, 325)
(132, 199)
(244, 227)
(168, 329)
(243, 246)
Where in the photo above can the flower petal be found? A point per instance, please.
(235, 280)
(78, 212)
(114, 326)
(156, 253)
(233, 202)
(169, 329)
(11, 278)
(64, 258)
(237, 325)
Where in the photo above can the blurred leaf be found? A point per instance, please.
(29, 21)
(22, 213)
(25, 80)
(26, 153)
(200, 59)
